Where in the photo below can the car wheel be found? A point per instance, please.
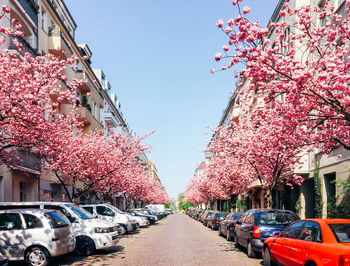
(250, 251)
(228, 236)
(124, 230)
(219, 231)
(267, 257)
(237, 245)
(37, 256)
(84, 246)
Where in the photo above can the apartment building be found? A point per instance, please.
(332, 167)
(49, 28)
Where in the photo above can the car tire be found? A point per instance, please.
(267, 257)
(125, 230)
(219, 231)
(250, 251)
(85, 246)
(37, 256)
(228, 236)
(237, 245)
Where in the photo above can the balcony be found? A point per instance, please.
(29, 162)
(59, 46)
(31, 8)
(110, 119)
(81, 75)
(27, 46)
(88, 119)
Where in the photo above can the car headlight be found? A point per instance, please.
(101, 230)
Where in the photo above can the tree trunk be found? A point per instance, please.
(268, 197)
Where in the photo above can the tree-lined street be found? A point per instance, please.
(175, 240)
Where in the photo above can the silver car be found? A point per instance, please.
(34, 235)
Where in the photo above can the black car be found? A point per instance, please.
(215, 220)
(150, 218)
(258, 224)
(227, 226)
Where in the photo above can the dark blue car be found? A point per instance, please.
(258, 224)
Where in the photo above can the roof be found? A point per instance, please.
(202, 165)
(31, 211)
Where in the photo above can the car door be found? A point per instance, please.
(224, 224)
(248, 228)
(279, 247)
(12, 236)
(239, 228)
(105, 213)
(298, 248)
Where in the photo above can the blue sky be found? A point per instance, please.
(157, 55)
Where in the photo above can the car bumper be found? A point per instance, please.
(62, 247)
(106, 240)
(257, 245)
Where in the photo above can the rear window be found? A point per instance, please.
(220, 216)
(57, 220)
(236, 216)
(277, 218)
(341, 232)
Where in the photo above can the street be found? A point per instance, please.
(175, 240)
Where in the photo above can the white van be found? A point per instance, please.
(34, 235)
(90, 233)
(111, 214)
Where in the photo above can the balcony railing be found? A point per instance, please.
(26, 46)
(31, 8)
(58, 45)
(28, 160)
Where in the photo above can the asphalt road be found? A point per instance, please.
(175, 240)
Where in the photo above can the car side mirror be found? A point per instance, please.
(276, 233)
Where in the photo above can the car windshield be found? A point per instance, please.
(209, 214)
(139, 213)
(341, 232)
(83, 214)
(57, 220)
(115, 209)
(277, 218)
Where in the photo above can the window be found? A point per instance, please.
(22, 191)
(10, 221)
(43, 20)
(277, 218)
(294, 230)
(89, 209)
(61, 209)
(32, 221)
(341, 232)
(57, 220)
(311, 232)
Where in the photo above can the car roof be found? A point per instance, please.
(269, 210)
(34, 203)
(30, 211)
(328, 220)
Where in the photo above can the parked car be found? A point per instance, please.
(3, 261)
(90, 233)
(310, 242)
(169, 211)
(258, 224)
(34, 236)
(215, 220)
(206, 216)
(150, 218)
(227, 226)
(198, 214)
(141, 221)
(108, 213)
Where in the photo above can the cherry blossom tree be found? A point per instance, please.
(32, 90)
(300, 59)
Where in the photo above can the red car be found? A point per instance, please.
(310, 242)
